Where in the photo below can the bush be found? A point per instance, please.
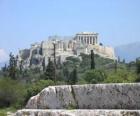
(121, 76)
(94, 76)
(35, 88)
(11, 93)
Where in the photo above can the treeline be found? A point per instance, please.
(17, 85)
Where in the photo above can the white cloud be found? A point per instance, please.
(3, 56)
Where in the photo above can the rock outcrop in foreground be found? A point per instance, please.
(98, 96)
(85, 97)
(36, 112)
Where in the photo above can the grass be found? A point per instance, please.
(3, 111)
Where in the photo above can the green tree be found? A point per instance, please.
(121, 76)
(92, 60)
(138, 70)
(66, 74)
(12, 66)
(138, 66)
(73, 77)
(49, 73)
(43, 64)
(11, 93)
(115, 65)
(94, 76)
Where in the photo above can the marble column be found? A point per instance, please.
(91, 40)
(88, 39)
(79, 38)
(96, 40)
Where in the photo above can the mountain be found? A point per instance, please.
(3, 57)
(129, 52)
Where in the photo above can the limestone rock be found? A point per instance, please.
(31, 112)
(98, 96)
(108, 96)
(53, 97)
(32, 103)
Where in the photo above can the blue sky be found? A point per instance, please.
(23, 22)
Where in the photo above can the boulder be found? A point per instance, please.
(92, 96)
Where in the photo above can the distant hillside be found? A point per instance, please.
(129, 52)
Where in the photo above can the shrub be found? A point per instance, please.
(121, 76)
(35, 88)
(11, 93)
(94, 76)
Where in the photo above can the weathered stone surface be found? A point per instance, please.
(53, 97)
(31, 112)
(32, 103)
(98, 96)
(108, 96)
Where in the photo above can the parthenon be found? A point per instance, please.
(87, 38)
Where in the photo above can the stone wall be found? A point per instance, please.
(98, 96)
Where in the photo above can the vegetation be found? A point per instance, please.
(17, 85)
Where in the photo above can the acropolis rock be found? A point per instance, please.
(65, 46)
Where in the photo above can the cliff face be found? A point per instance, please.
(100, 96)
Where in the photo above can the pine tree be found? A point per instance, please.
(66, 74)
(21, 66)
(92, 60)
(4, 70)
(49, 73)
(43, 64)
(138, 66)
(115, 65)
(73, 77)
(12, 66)
(119, 60)
(138, 70)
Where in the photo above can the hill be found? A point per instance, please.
(129, 52)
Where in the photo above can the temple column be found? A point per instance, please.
(88, 39)
(78, 39)
(91, 40)
(96, 40)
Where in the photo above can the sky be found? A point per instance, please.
(23, 22)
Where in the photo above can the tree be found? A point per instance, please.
(92, 60)
(21, 66)
(66, 74)
(43, 64)
(123, 61)
(138, 66)
(94, 76)
(49, 73)
(115, 65)
(12, 66)
(4, 70)
(138, 70)
(73, 77)
(119, 60)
